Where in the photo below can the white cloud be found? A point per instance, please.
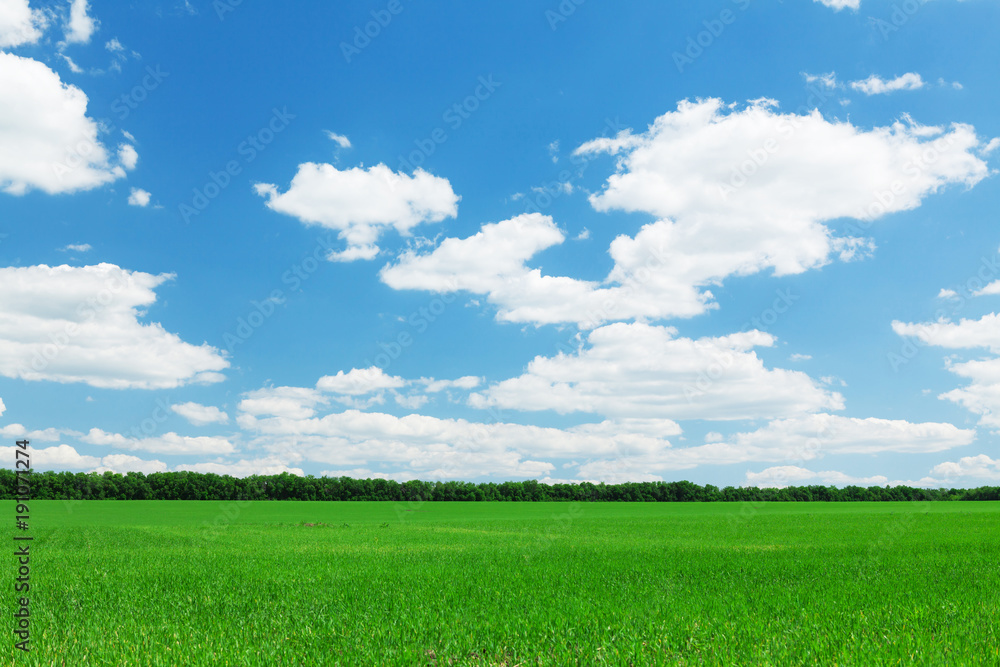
(991, 146)
(638, 370)
(200, 415)
(975, 467)
(2, 407)
(338, 139)
(874, 85)
(20, 432)
(244, 468)
(800, 357)
(982, 395)
(127, 156)
(170, 444)
(359, 381)
(736, 192)
(781, 476)
(947, 294)
(80, 26)
(829, 80)
(60, 456)
(989, 290)
(126, 463)
(81, 324)
(984, 332)
(841, 4)
(361, 203)
(139, 197)
(47, 141)
(432, 386)
(429, 447)
(810, 436)
(19, 24)
(285, 402)
(77, 247)
(113, 45)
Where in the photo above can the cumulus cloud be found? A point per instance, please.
(735, 192)
(77, 247)
(81, 324)
(170, 444)
(875, 85)
(779, 477)
(984, 332)
(980, 467)
(19, 24)
(60, 456)
(639, 370)
(200, 415)
(429, 447)
(362, 203)
(126, 463)
(244, 468)
(982, 395)
(47, 141)
(359, 381)
(139, 197)
(20, 432)
(80, 26)
(809, 436)
(285, 402)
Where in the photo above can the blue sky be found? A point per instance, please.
(744, 242)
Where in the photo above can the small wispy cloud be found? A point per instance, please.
(874, 85)
(339, 139)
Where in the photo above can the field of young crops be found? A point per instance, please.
(300, 583)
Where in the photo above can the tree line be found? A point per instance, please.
(51, 485)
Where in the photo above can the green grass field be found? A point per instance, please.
(216, 583)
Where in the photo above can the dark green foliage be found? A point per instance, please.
(208, 486)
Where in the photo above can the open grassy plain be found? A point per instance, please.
(310, 583)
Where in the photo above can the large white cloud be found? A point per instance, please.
(639, 370)
(46, 140)
(735, 192)
(362, 203)
(81, 324)
(19, 24)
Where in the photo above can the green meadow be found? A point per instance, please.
(437, 583)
